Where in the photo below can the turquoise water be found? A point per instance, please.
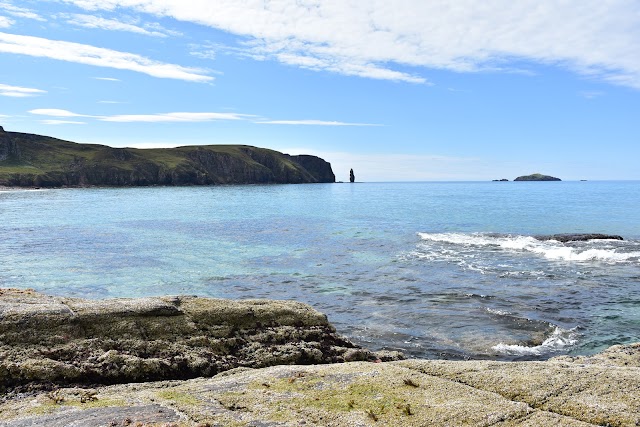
(433, 269)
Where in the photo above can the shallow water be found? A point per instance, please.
(433, 269)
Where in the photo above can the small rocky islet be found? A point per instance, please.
(532, 177)
(537, 177)
(123, 362)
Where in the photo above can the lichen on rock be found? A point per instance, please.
(48, 340)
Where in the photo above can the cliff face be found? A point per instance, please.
(28, 160)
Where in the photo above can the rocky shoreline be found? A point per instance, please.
(48, 341)
(272, 363)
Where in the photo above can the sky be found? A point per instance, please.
(402, 90)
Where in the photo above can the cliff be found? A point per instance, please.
(28, 160)
(47, 342)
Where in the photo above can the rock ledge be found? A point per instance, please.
(48, 341)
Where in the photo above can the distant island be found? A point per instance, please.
(537, 177)
(28, 160)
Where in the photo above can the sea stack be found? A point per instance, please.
(352, 177)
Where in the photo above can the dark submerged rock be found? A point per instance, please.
(579, 237)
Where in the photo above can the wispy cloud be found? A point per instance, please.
(312, 123)
(19, 12)
(91, 21)
(174, 117)
(101, 57)
(19, 92)
(108, 79)
(61, 122)
(55, 112)
(6, 22)
(401, 40)
(193, 117)
(146, 118)
(591, 94)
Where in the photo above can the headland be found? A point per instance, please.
(28, 160)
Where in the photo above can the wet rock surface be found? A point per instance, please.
(579, 237)
(48, 341)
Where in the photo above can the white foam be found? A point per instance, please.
(549, 249)
(498, 312)
(560, 339)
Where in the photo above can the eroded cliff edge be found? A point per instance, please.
(28, 160)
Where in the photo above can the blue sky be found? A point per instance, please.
(406, 90)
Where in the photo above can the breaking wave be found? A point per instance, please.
(601, 250)
(559, 340)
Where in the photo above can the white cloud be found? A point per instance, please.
(61, 122)
(108, 79)
(146, 118)
(20, 12)
(378, 38)
(174, 117)
(187, 117)
(19, 92)
(90, 21)
(101, 57)
(6, 22)
(55, 112)
(312, 123)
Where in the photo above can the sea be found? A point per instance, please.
(438, 270)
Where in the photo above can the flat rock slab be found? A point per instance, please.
(403, 393)
(47, 340)
(98, 417)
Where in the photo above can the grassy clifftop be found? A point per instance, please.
(28, 160)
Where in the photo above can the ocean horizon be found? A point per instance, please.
(434, 269)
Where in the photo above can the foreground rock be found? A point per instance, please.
(600, 390)
(48, 341)
(537, 177)
(52, 348)
(564, 238)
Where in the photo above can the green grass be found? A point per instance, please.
(52, 159)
